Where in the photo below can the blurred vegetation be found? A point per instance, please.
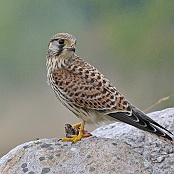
(130, 41)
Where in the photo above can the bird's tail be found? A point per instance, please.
(142, 121)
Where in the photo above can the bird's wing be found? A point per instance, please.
(90, 89)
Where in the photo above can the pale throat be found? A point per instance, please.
(57, 62)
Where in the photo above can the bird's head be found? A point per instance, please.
(62, 44)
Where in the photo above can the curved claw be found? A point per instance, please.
(75, 132)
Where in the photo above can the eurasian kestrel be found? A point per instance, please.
(88, 93)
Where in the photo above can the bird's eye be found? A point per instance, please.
(61, 41)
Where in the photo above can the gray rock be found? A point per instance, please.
(159, 153)
(91, 155)
(119, 148)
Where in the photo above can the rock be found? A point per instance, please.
(90, 155)
(118, 148)
(159, 153)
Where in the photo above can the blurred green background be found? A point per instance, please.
(130, 41)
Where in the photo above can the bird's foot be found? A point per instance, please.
(75, 132)
(75, 138)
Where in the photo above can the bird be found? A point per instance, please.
(86, 92)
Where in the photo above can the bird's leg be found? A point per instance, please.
(75, 132)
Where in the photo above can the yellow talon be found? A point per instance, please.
(75, 132)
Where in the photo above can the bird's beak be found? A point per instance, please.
(72, 48)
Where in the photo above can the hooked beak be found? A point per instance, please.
(72, 48)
